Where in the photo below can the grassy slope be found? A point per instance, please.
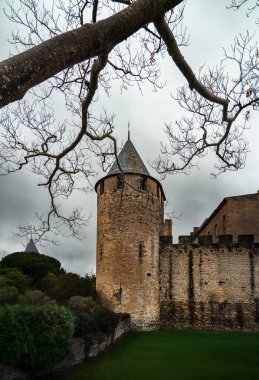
(176, 355)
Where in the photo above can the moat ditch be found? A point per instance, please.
(173, 354)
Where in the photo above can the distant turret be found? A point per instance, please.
(31, 247)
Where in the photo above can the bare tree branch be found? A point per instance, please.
(173, 50)
(95, 8)
(67, 48)
(194, 136)
(20, 73)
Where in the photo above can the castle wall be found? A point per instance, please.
(214, 287)
(129, 223)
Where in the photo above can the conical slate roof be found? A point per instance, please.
(31, 247)
(129, 160)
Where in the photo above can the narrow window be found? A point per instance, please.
(101, 251)
(216, 230)
(141, 251)
(101, 188)
(120, 182)
(143, 183)
(120, 293)
(157, 191)
(224, 223)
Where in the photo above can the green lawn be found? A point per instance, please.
(175, 355)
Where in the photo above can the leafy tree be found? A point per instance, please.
(34, 336)
(62, 287)
(91, 318)
(15, 277)
(86, 304)
(32, 264)
(82, 308)
(3, 281)
(76, 48)
(43, 273)
(35, 297)
(8, 295)
(90, 285)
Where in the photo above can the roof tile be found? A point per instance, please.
(129, 160)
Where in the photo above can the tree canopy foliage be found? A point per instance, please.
(14, 277)
(63, 286)
(32, 264)
(34, 274)
(74, 50)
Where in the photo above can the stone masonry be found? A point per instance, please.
(234, 216)
(210, 284)
(128, 230)
(210, 287)
(129, 225)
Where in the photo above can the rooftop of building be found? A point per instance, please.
(222, 203)
(129, 161)
(31, 247)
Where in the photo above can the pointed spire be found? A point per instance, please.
(31, 247)
(129, 160)
(129, 131)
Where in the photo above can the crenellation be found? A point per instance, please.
(225, 239)
(184, 239)
(245, 239)
(204, 239)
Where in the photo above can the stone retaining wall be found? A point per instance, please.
(79, 352)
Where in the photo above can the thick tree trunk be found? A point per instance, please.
(20, 73)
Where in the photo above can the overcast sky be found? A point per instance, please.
(211, 27)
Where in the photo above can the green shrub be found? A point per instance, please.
(84, 324)
(105, 320)
(83, 309)
(35, 297)
(34, 336)
(14, 277)
(3, 281)
(78, 303)
(8, 295)
(91, 317)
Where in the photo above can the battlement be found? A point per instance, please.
(166, 233)
(223, 240)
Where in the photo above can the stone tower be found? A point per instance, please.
(129, 225)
